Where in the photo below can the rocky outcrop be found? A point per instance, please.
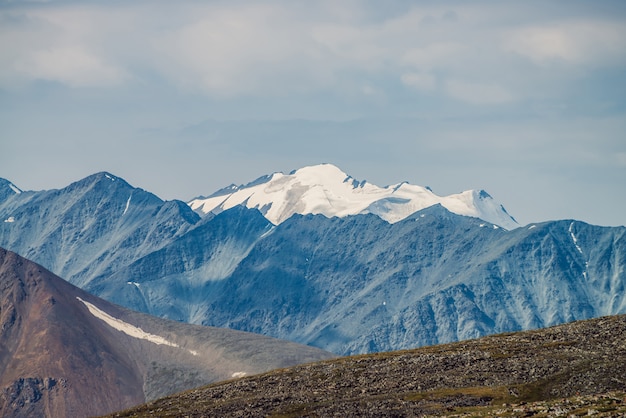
(25, 396)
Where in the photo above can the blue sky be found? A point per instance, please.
(526, 100)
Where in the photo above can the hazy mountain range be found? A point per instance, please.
(320, 258)
(64, 352)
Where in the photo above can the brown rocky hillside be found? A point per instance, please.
(65, 353)
(569, 370)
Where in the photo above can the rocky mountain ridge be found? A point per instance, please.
(91, 227)
(358, 284)
(353, 284)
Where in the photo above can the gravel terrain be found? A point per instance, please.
(569, 370)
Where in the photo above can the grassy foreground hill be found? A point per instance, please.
(573, 369)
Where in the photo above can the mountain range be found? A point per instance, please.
(64, 352)
(320, 258)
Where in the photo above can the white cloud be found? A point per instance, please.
(595, 43)
(283, 49)
(70, 46)
(243, 50)
(420, 81)
(478, 93)
(73, 66)
(436, 55)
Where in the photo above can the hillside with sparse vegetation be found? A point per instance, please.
(573, 369)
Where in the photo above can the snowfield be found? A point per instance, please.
(325, 189)
(127, 328)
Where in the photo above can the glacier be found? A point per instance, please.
(325, 189)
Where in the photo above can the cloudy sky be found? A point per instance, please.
(526, 100)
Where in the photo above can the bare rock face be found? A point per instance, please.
(64, 352)
(23, 396)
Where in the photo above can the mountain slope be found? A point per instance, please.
(325, 189)
(175, 281)
(350, 284)
(358, 284)
(7, 190)
(90, 227)
(473, 378)
(60, 346)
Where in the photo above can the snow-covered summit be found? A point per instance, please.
(325, 189)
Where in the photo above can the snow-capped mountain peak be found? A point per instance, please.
(325, 189)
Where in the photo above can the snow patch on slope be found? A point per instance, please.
(15, 188)
(127, 328)
(580, 250)
(325, 189)
(127, 205)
